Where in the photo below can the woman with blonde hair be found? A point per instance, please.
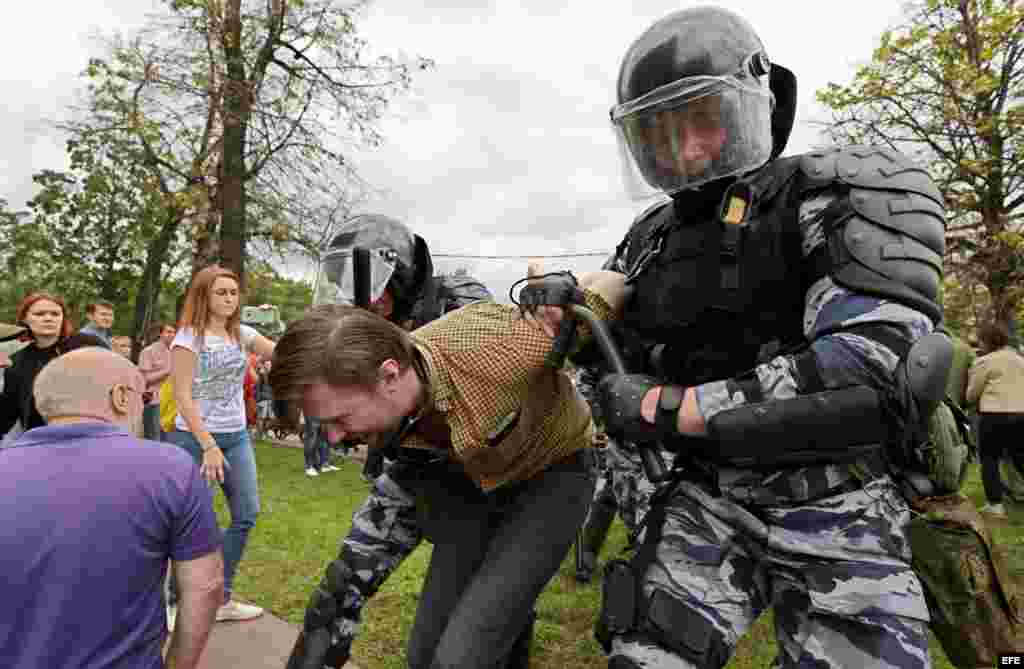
(209, 358)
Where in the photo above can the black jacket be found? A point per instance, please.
(16, 402)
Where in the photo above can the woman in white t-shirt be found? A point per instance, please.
(209, 355)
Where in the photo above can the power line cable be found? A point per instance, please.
(593, 254)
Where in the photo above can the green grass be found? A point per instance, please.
(304, 519)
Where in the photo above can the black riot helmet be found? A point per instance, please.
(699, 101)
(398, 260)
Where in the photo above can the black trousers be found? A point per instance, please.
(999, 434)
(493, 555)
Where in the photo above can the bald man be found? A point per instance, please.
(93, 514)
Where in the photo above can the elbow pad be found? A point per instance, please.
(833, 426)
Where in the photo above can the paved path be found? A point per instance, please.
(263, 643)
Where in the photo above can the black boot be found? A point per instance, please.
(519, 655)
(592, 535)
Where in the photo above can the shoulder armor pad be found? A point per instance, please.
(462, 290)
(887, 234)
(872, 167)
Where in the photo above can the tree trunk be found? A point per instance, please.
(207, 173)
(149, 284)
(1004, 307)
(204, 227)
(237, 96)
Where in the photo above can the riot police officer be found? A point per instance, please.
(403, 286)
(385, 529)
(782, 495)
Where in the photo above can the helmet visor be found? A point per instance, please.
(693, 131)
(336, 281)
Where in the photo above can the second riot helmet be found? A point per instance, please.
(398, 261)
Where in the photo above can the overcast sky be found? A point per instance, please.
(504, 147)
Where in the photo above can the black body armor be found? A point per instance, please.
(711, 292)
(716, 281)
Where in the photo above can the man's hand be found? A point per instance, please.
(543, 297)
(5, 360)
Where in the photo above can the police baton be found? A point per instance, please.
(654, 466)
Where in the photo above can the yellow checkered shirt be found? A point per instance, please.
(510, 416)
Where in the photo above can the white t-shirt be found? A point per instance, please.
(217, 382)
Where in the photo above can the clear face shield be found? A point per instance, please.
(336, 280)
(692, 131)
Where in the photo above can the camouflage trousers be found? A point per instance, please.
(622, 484)
(835, 570)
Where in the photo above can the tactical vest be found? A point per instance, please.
(431, 304)
(713, 290)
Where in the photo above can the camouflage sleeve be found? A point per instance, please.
(384, 531)
(842, 357)
(462, 290)
(587, 379)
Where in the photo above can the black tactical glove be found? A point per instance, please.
(556, 289)
(314, 651)
(621, 396)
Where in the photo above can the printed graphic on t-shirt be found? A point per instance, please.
(217, 379)
(219, 374)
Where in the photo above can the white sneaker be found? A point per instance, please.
(312, 472)
(997, 510)
(330, 468)
(238, 611)
(172, 615)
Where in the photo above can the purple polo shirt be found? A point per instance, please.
(89, 516)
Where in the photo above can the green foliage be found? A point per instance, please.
(268, 109)
(266, 286)
(947, 87)
(90, 227)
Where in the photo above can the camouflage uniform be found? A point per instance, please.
(385, 528)
(621, 486)
(824, 545)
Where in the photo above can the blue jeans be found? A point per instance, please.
(151, 422)
(314, 445)
(239, 486)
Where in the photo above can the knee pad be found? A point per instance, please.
(621, 662)
(660, 617)
(676, 626)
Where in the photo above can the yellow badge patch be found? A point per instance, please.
(737, 210)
